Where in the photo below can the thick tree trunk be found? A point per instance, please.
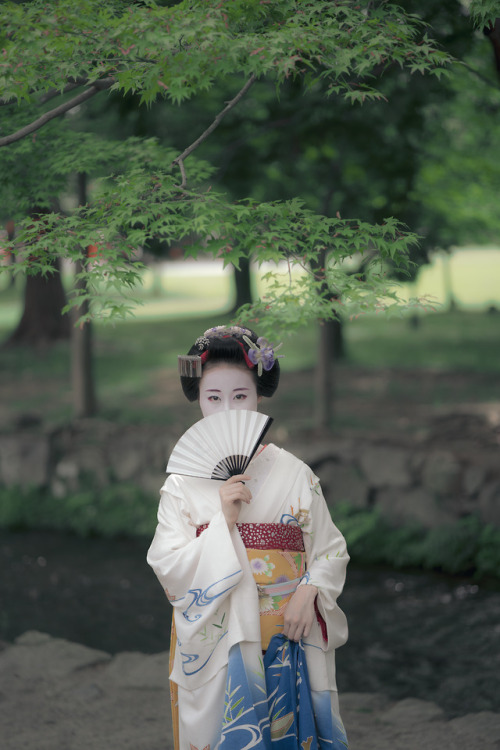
(42, 321)
(243, 284)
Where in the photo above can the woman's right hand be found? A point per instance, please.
(232, 493)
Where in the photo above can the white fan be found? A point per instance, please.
(220, 445)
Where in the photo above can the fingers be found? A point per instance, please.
(296, 631)
(234, 489)
(232, 493)
(238, 478)
(299, 613)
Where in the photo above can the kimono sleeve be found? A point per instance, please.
(196, 573)
(327, 560)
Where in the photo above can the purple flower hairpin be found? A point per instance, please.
(262, 353)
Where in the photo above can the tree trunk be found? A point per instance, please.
(82, 370)
(493, 33)
(42, 321)
(448, 283)
(330, 350)
(324, 377)
(243, 284)
(11, 233)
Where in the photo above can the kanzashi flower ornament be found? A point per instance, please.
(262, 353)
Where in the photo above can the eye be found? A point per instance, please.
(241, 396)
(214, 398)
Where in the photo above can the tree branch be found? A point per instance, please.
(480, 76)
(94, 89)
(69, 87)
(189, 150)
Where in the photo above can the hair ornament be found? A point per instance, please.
(225, 331)
(189, 365)
(262, 353)
(232, 345)
(202, 342)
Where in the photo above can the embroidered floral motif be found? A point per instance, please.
(314, 482)
(301, 517)
(269, 603)
(262, 566)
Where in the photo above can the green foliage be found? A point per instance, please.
(458, 182)
(120, 509)
(463, 547)
(484, 12)
(488, 555)
(176, 53)
(146, 203)
(454, 548)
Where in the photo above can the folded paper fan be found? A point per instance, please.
(220, 445)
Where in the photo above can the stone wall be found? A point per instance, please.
(431, 480)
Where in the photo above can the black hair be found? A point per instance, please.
(227, 345)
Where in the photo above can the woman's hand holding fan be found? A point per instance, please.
(232, 493)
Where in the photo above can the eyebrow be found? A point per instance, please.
(217, 390)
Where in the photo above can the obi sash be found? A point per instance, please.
(276, 573)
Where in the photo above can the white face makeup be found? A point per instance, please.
(224, 387)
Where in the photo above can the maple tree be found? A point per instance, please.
(57, 57)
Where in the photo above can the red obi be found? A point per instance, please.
(268, 535)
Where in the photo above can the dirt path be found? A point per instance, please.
(57, 695)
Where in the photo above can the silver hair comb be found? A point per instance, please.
(189, 365)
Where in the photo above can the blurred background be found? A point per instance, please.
(403, 425)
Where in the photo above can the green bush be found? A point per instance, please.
(464, 547)
(488, 555)
(121, 509)
(453, 547)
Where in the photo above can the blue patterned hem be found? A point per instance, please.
(274, 707)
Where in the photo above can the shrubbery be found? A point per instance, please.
(121, 509)
(465, 547)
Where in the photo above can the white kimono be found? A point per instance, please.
(210, 584)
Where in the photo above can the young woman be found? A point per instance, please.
(253, 567)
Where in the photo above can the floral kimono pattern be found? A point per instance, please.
(229, 591)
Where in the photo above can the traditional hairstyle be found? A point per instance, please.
(232, 345)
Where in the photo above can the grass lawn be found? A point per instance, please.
(135, 360)
(135, 365)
